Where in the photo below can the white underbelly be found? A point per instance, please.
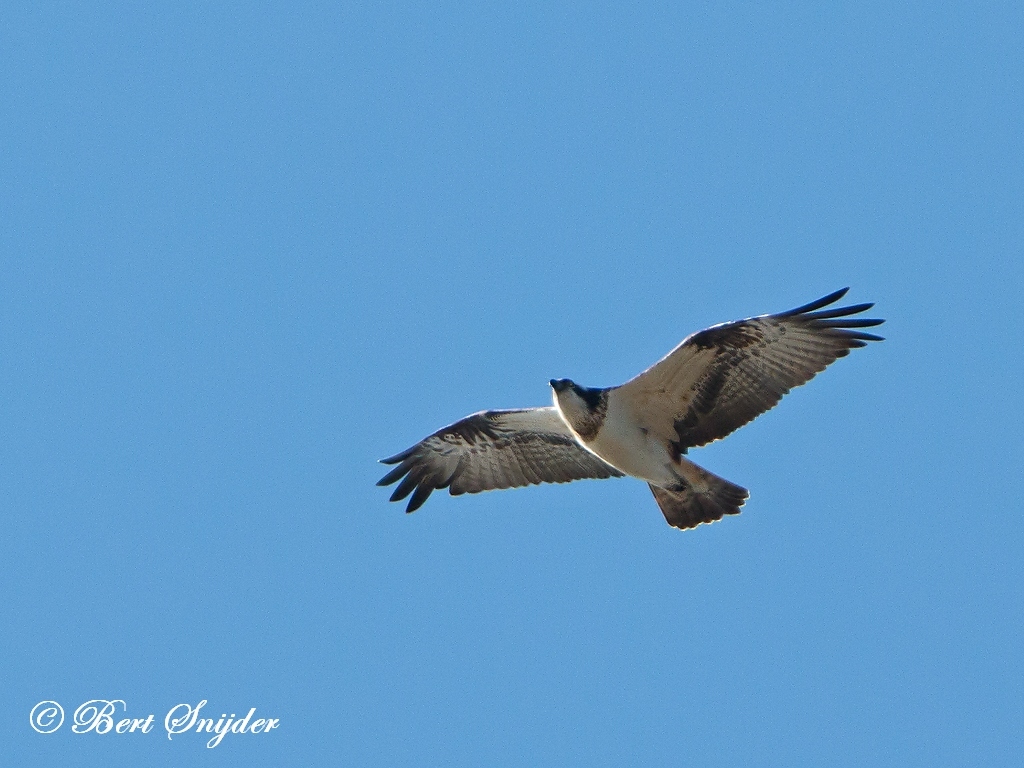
(630, 449)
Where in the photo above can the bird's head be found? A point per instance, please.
(561, 385)
(579, 405)
(566, 394)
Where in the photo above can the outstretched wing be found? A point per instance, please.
(493, 449)
(720, 378)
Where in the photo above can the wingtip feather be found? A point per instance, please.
(853, 309)
(852, 322)
(398, 456)
(421, 494)
(863, 336)
(392, 476)
(824, 301)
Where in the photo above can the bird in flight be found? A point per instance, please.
(714, 382)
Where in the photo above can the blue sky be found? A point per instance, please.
(248, 250)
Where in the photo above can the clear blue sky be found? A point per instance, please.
(248, 250)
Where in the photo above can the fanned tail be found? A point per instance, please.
(687, 505)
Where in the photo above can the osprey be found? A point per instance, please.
(714, 382)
